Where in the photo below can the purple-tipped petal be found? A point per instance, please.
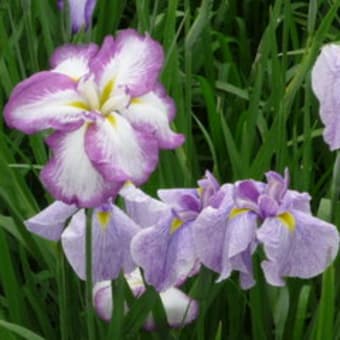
(133, 61)
(45, 100)
(150, 112)
(70, 176)
(142, 208)
(276, 185)
(119, 152)
(166, 257)
(50, 222)
(111, 237)
(325, 83)
(181, 199)
(247, 193)
(303, 247)
(73, 60)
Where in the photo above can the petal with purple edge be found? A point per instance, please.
(133, 61)
(102, 299)
(111, 239)
(81, 13)
(49, 223)
(142, 208)
(303, 251)
(73, 60)
(119, 152)
(150, 112)
(325, 83)
(246, 194)
(70, 176)
(45, 100)
(167, 259)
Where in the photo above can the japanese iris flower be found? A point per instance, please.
(179, 308)
(164, 247)
(296, 244)
(325, 84)
(110, 113)
(112, 232)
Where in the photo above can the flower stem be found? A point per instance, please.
(88, 252)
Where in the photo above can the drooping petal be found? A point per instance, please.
(151, 112)
(325, 83)
(179, 308)
(119, 152)
(112, 232)
(73, 60)
(142, 208)
(166, 257)
(70, 175)
(297, 245)
(45, 100)
(50, 222)
(133, 61)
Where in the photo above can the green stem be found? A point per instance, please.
(335, 188)
(88, 252)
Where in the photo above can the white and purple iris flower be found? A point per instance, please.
(325, 83)
(109, 112)
(179, 308)
(81, 12)
(295, 243)
(164, 248)
(112, 231)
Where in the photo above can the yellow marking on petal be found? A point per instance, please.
(103, 218)
(106, 92)
(80, 105)
(136, 100)
(112, 120)
(237, 211)
(200, 191)
(288, 220)
(127, 183)
(175, 224)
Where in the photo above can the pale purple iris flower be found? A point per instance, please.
(81, 12)
(295, 243)
(179, 308)
(164, 248)
(326, 84)
(112, 232)
(110, 113)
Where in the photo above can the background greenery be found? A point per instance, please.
(239, 72)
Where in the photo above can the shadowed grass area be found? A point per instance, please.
(239, 72)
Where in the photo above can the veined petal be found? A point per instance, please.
(133, 61)
(304, 250)
(45, 100)
(111, 239)
(142, 208)
(151, 112)
(73, 60)
(119, 152)
(49, 223)
(325, 83)
(70, 175)
(166, 258)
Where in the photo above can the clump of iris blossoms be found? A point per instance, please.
(295, 243)
(109, 113)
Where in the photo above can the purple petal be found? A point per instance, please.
(45, 100)
(325, 83)
(166, 258)
(73, 60)
(70, 176)
(81, 13)
(303, 251)
(142, 208)
(276, 185)
(119, 152)
(134, 61)
(209, 187)
(111, 237)
(50, 222)
(246, 194)
(151, 112)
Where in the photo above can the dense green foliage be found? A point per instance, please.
(239, 72)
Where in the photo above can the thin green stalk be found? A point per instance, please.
(88, 252)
